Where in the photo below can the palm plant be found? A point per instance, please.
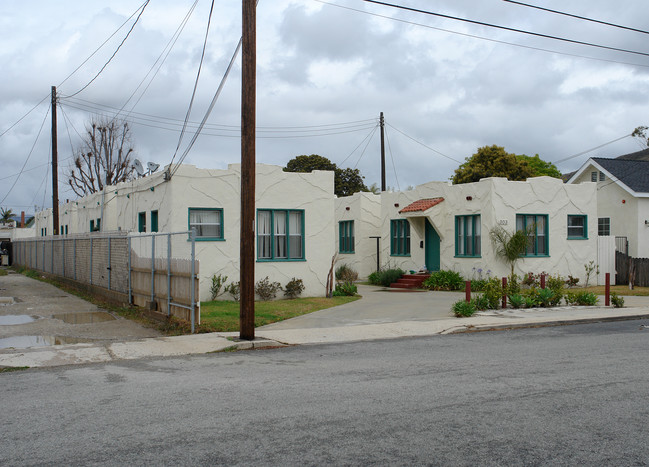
(5, 214)
(510, 246)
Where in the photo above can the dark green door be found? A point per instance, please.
(432, 247)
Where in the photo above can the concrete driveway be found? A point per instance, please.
(379, 305)
(35, 314)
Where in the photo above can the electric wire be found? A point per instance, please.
(28, 156)
(579, 17)
(116, 50)
(394, 168)
(560, 161)
(198, 75)
(424, 145)
(365, 148)
(483, 38)
(368, 136)
(506, 28)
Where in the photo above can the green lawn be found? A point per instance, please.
(618, 289)
(223, 316)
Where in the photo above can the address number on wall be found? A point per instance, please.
(502, 222)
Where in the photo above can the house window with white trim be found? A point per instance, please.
(280, 235)
(207, 223)
(604, 226)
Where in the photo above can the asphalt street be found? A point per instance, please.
(566, 395)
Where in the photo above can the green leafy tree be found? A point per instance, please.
(346, 181)
(5, 214)
(540, 167)
(509, 246)
(492, 161)
(641, 134)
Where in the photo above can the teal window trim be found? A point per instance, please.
(273, 238)
(154, 221)
(577, 223)
(141, 221)
(92, 225)
(399, 237)
(219, 237)
(468, 236)
(346, 237)
(538, 240)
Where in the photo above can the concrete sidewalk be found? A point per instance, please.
(379, 314)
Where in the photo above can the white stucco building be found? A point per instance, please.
(438, 225)
(294, 225)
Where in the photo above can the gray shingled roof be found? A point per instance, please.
(633, 173)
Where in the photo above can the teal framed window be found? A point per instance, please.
(207, 223)
(468, 237)
(537, 237)
(399, 237)
(280, 235)
(95, 225)
(154, 221)
(346, 237)
(141, 222)
(577, 227)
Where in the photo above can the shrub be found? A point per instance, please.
(218, 283)
(345, 273)
(480, 302)
(267, 290)
(444, 280)
(388, 276)
(478, 285)
(234, 289)
(293, 288)
(530, 301)
(513, 286)
(572, 281)
(545, 297)
(463, 308)
(374, 278)
(591, 268)
(493, 292)
(581, 298)
(532, 280)
(617, 301)
(345, 289)
(517, 300)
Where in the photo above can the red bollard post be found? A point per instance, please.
(607, 290)
(504, 292)
(543, 281)
(467, 291)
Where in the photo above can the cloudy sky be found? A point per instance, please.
(325, 72)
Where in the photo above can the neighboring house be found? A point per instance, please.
(442, 226)
(622, 198)
(295, 215)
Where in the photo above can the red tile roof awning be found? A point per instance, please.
(421, 205)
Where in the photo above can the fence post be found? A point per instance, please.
(52, 256)
(542, 281)
(63, 254)
(169, 275)
(43, 263)
(467, 291)
(607, 290)
(130, 273)
(153, 269)
(192, 294)
(504, 292)
(109, 264)
(74, 257)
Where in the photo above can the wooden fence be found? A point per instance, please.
(636, 267)
(170, 289)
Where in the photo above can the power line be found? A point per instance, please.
(427, 147)
(579, 17)
(592, 149)
(28, 156)
(392, 159)
(475, 36)
(116, 50)
(506, 28)
(198, 75)
(369, 136)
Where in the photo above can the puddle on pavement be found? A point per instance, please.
(10, 320)
(21, 342)
(89, 317)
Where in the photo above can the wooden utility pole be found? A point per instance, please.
(55, 169)
(382, 122)
(248, 122)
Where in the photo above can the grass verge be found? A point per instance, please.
(223, 316)
(618, 289)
